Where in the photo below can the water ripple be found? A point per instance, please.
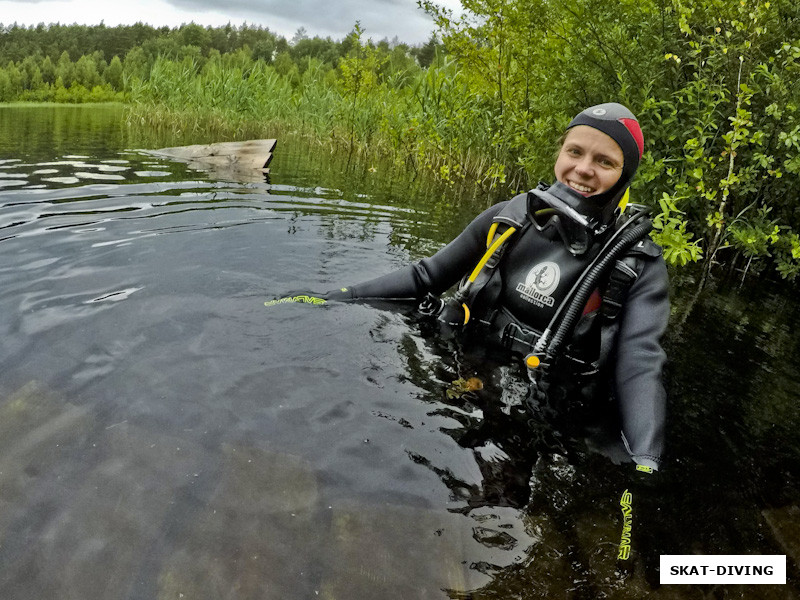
(115, 296)
(123, 192)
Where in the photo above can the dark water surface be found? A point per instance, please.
(163, 434)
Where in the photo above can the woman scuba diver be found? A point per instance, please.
(563, 277)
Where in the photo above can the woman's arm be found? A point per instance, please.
(640, 361)
(434, 274)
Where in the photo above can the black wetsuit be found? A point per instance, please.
(636, 358)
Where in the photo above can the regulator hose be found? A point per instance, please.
(587, 284)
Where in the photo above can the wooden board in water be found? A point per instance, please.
(248, 160)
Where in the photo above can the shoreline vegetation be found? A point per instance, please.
(716, 86)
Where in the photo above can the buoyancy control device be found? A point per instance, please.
(477, 295)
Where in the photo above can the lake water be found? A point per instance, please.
(163, 434)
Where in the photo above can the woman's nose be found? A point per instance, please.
(584, 166)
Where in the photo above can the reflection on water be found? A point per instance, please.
(166, 435)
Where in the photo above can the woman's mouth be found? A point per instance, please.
(583, 189)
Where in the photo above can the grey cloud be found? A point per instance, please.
(379, 18)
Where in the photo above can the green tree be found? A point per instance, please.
(283, 64)
(322, 49)
(7, 93)
(264, 50)
(36, 82)
(723, 140)
(426, 53)
(358, 80)
(86, 72)
(299, 35)
(48, 70)
(14, 85)
(136, 65)
(65, 70)
(194, 35)
(29, 69)
(113, 74)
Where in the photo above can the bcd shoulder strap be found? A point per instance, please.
(622, 277)
(511, 219)
(624, 274)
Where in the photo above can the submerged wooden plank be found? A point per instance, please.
(239, 161)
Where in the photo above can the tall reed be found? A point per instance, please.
(426, 120)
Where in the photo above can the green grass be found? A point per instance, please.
(21, 104)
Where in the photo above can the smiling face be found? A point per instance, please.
(589, 162)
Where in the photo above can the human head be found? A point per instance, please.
(620, 124)
(589, 161)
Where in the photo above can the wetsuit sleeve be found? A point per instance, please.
(640, 363)
(434, 274)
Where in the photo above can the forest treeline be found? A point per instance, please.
(83, 63)
(716, 85)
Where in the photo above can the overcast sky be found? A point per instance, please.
(334, 18)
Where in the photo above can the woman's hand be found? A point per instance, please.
(306, 297)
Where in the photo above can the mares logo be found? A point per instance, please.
(626, 503)
(541, 282)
